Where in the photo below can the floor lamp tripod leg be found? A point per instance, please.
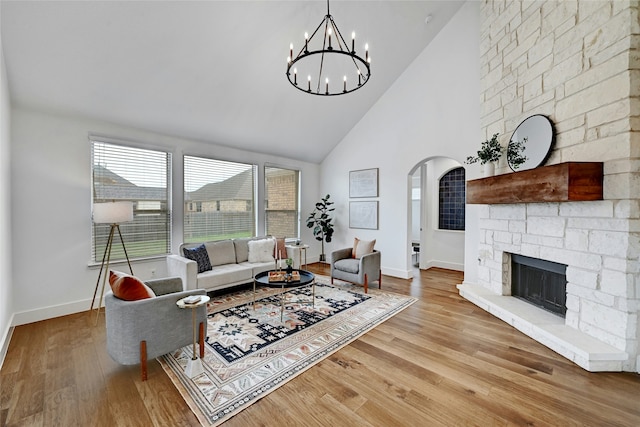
(104, 256)
(125, 249)
(104, 278)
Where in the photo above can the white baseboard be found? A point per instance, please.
(402, 274)
(4, 343)
(49, 312)
(446, 265)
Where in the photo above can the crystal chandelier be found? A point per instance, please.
(331, 68)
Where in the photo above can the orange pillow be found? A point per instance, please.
(362, 247)
(128, 288)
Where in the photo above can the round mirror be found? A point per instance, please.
(531, 143)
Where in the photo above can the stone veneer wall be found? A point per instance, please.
(578, 64)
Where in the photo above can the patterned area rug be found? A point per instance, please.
(251, 352)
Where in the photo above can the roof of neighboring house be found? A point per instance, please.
(113, 186)
(238, 187)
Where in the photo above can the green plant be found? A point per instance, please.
(490, 151)
(515, 158)
(320, 220)
(289, 261)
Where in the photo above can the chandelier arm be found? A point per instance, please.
(339, 35)
(324, 43)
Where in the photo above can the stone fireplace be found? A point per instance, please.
(590, 241)
(576, 63)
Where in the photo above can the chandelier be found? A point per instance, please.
(330, 67)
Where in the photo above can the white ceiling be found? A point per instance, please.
(207, 70)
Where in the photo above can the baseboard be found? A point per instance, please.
(402, 274)
(6, 339)
(44, 313)
(446, 265)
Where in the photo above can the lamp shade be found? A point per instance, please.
(112, 212)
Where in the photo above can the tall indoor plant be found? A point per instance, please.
(320, 221)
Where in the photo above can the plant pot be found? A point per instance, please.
(488, 169)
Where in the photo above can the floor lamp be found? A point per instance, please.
(112, 213)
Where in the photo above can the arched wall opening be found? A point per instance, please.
(429, 245)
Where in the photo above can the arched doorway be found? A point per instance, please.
(436, 214)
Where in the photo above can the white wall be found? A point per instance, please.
(431, 110)
(51, 207)
(5, 214)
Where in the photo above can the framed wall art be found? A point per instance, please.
(363, 215)
(363, 183)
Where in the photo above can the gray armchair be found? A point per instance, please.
(359, 271)
(148, 328)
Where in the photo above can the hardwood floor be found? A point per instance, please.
(442, 361)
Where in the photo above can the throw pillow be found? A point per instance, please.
(128, 288)
(261, 250)
(362, 247)
(200, 256)
(280, 250)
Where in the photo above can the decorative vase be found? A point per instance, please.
(289, 269)
(488, 169)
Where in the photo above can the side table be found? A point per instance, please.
(194, 365)
(301, 248)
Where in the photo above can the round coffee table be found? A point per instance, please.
(306, 277)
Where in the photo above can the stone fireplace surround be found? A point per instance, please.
(592, 239)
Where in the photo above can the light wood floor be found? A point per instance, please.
(442, 361)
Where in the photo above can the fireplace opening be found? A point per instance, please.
(540, 282)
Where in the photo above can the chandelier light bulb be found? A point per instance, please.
(291, 50)
(345, 84)
(353, 42)
(295, 76)
(309, 83)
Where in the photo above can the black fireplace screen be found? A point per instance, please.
(542, 283)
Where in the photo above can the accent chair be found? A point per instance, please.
(147, 328)
(359, 271)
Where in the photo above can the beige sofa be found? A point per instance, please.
(229, 261)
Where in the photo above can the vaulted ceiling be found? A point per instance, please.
(212, 71)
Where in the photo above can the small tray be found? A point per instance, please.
(280, 276)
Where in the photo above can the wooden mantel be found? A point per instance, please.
(564, 182)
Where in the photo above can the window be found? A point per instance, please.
(218, 199)
(452, 200)
(141, 176)
(281, 201)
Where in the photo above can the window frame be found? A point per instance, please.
(219, 205)
(100, 232)
(296, 223)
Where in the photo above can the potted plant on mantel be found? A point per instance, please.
(491, 150)
(489, 153)
(320, 221)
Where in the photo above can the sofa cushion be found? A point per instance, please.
(242, 248)
(261, 250)
(221, 252)
(200, 256)
(223, 275)
(128, 288)
(350, 265)
(362, 247)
